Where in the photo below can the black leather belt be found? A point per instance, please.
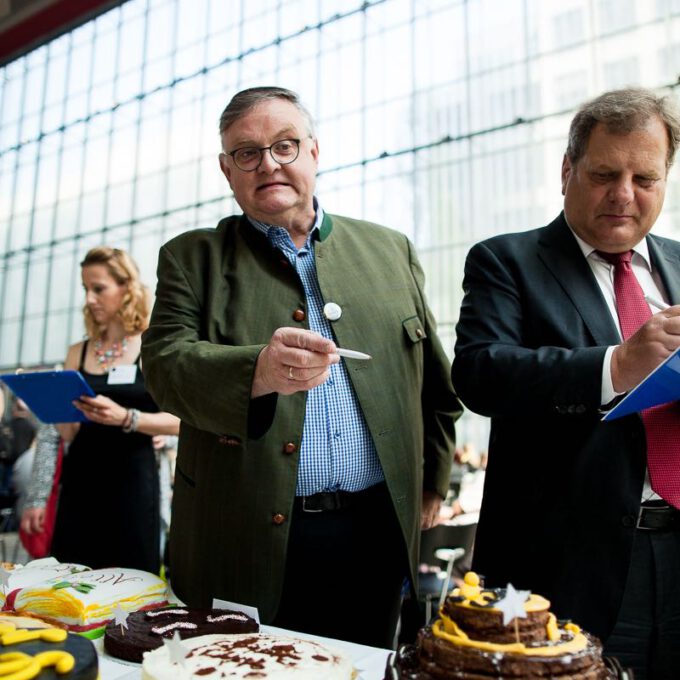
(333, 501)
(658, 518)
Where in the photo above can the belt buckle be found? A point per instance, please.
(649, 510)
(638, 525)
(306, 509)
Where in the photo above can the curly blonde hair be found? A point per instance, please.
(136, 306)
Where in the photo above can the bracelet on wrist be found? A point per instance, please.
(131, 426)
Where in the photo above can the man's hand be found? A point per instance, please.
(295, 360)
(429, 514)
(646, 349)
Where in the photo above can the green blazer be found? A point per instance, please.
(221, 294)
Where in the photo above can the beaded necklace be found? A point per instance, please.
(107, 357)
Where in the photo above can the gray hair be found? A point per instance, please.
(622, 112)
(245, 100)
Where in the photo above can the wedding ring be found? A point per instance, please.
(290, 373)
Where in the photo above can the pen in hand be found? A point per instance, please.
(656, 303)
(352, 354)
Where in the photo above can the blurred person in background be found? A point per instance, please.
(16, 436)
(23, 428)
(109, 505)
(34, 472)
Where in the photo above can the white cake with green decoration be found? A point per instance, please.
(15, 576)
(84, 602)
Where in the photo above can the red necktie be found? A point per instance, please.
(662, 423)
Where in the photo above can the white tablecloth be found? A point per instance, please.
(369, 661)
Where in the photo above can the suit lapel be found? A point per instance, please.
(667, 263)
(560, 253)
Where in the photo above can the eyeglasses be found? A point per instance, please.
(249, 158)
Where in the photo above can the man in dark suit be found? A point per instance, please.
(302, 480)
(545, 344)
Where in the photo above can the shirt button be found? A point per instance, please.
(299, 315)
(419, 332)
(290, 447)
(278, 518)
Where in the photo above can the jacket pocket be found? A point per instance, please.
(414, 329)
(185, 477)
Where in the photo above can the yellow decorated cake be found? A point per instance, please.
(45, 654)
(500, 633)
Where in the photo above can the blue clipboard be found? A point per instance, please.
(49, 394)
(661, 386)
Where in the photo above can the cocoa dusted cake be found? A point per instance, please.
(254, 656)
(46, 654)
(146, 629)
(500, 633)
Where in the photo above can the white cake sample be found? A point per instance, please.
(86, 600)
(20, 576)
(249, 656)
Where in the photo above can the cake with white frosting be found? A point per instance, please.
(18, 576)
(84, 602)
(251, 656)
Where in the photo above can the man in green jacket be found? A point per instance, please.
(303, 478)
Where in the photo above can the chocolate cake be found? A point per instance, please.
(483, 634)
(145, 630)
(23, 651)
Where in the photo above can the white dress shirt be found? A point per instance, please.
(651, 285)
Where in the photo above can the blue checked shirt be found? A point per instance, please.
(337, 451)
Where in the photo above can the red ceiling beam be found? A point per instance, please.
(47, 23)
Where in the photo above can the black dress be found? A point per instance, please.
(109, 512)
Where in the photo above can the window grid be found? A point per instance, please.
(445, 119)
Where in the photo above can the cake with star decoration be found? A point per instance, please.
(500, 633)
(129, 636)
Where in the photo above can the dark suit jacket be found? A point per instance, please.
(221, 294)
(562, 488)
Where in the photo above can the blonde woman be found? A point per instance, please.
(108, 511)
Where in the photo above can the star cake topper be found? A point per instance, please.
(120, 616)
(512, 605)
(176, 650)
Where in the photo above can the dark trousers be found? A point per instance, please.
(646, 637)
(344, 572)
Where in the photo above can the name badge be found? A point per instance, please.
(122, 375)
